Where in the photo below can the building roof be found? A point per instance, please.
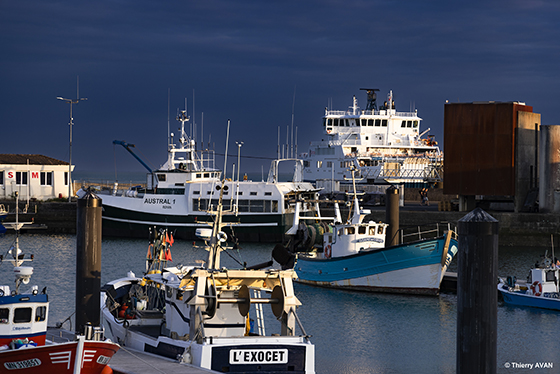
(7, 159)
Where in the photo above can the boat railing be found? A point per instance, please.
(428, 231)
(370, 113)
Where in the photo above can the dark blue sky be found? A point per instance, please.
(245, 59)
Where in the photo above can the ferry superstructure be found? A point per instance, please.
(385, 145)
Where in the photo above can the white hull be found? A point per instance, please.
(427, 281)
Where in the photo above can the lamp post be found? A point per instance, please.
(239, 144)
(71, 101)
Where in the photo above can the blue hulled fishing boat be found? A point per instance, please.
(541, 289)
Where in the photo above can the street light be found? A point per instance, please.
(239, 144)
(71, 101)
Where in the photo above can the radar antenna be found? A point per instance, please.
(371, 98)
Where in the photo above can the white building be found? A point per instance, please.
(33, 176)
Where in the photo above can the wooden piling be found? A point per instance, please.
(88, 261)
(392, 216)
(477, 298)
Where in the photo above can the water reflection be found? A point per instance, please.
(353, 332)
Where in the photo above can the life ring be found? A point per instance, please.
(328, 251)
(222, 237)
(536, 287)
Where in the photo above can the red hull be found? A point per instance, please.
(58, 358)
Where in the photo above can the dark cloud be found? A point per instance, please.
(244, 61)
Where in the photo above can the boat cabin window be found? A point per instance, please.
(377, 122)
(380, 229)
(350, 231)
(268, 194)
(4, 315)
(384, 123)
(196, 193)
(161, 177)
(362, 230)
(253, 193)
(550, 276)
(408, 123)
(199, 175)
(340, 232)
(170, 191)
(206, 175)
(22, 315)
(415, 124)
(372, 230)
(40, 314)
(403, 124)
(319, 164)
(370, 122)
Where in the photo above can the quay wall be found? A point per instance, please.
(519, 229)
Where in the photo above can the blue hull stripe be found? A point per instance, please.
(513, 298)
(371, 263)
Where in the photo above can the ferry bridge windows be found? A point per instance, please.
(362, 230)
(384, 123)
(377, 122)
(22, 315)
(46, 178)
(415, 124)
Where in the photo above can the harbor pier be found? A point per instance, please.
(516, 229)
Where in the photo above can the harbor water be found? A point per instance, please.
(353, 332)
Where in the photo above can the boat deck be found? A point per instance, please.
(129, 361)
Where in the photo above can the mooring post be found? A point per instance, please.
(477, 296)
(392, 216)
(88, 261)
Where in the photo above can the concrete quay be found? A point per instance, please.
(519, 229)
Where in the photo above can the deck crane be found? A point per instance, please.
(128, 147)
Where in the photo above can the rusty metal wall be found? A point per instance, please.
(479, 148)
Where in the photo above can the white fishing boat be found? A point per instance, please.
(25, 344)
(541, 290)
(385, 145)
(179, 193)
(353, 254)
(207, 315)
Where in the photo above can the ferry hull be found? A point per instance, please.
(413, 268)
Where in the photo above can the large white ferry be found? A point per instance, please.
(179, 194)
(386, 146)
